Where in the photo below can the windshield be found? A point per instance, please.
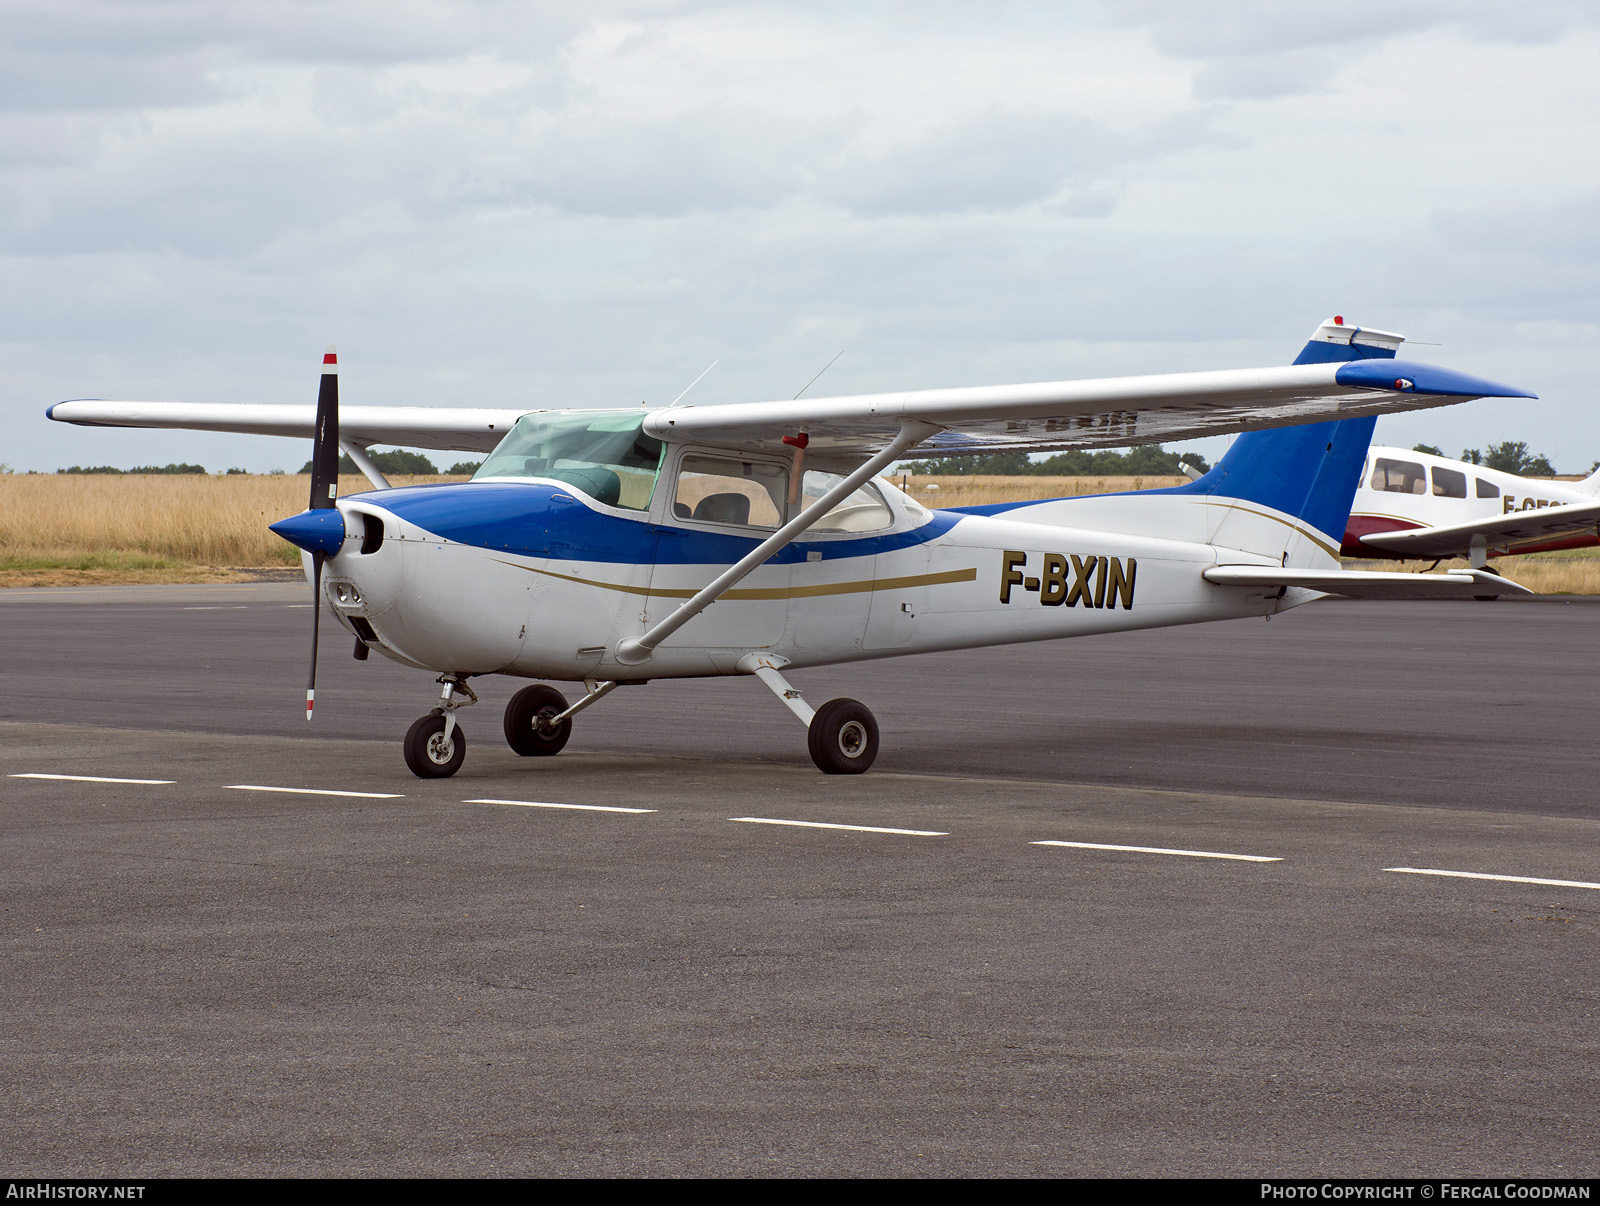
(602, 453)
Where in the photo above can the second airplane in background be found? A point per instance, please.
(1413, 505)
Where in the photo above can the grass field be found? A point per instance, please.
(67, 529)
(64, 530)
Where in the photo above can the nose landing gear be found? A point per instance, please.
(435, 746)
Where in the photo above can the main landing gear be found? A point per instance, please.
(842, 734)
(538, 721)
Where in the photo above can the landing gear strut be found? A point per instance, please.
(538, 720)
(529, 721)
(842, 734)
(435, 746)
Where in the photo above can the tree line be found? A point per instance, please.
(1509, 456)
(400, 461)
(396, 462)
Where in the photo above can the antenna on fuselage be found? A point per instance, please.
(813, 380)
(694, 383)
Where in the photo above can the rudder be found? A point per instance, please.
(1308, 473)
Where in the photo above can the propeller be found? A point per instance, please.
(319, 529)
(324, 494)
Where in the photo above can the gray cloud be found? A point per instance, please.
(1262, 49)
(514, 204)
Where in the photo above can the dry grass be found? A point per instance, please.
(1570, 572)
(69, 529)
(65, 529)
(978, 490)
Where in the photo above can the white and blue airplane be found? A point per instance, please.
(610, 547)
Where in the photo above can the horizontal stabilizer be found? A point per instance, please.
(1535, 526)
(1360, 584)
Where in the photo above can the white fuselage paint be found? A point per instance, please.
(453, 607)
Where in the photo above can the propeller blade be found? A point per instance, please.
(325, 449)
(324, 494)
(316, 615)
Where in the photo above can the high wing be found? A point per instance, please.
(1108, 412)
(1500, 532)
(1361, 584)
(441, 427)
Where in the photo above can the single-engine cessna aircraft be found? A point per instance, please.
(610, 547)
(1415, 505)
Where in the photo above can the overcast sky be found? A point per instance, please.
(523, 204)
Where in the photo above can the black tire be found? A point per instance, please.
(427, 753)
(523, 733)
(843, 737)
(1485, 598)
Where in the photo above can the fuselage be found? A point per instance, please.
(1402, 490)
(542, 576)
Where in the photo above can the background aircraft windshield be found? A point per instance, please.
(607, 456)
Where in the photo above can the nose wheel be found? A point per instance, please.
(432, 753)
(435, 746)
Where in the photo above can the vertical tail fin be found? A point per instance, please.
(1306, 475)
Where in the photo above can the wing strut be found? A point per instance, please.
(636, 650)
(358, 453)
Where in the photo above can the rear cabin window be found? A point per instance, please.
(1399, 477)
(863, 511)
(1449, 483)
(1487, 489)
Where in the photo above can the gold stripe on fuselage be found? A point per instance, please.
(1309, 533)
(786, 592)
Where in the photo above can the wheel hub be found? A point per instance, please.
(852, 739)
(441, 749)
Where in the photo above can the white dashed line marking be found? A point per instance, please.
(852, 828)
(1244, 858)
(317, 791)
(547, 804)
(91, 779)
(221, 607)
(1507, 879)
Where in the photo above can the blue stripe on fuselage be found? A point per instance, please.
(538, 520)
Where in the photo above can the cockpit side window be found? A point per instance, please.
(605, 455)
(1487, 489)
(752, 494)
(1399, 477)
(1449, 483)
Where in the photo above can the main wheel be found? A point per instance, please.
(523, 731)
(428, 754)
(843, 737)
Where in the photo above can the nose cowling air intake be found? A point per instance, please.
(319, 531)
